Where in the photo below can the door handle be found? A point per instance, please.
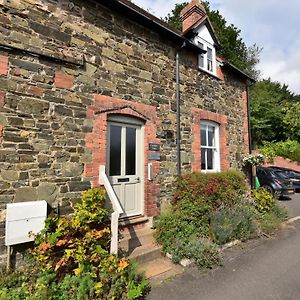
(137, 179)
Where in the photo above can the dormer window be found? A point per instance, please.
(196, 26)
(206, 61)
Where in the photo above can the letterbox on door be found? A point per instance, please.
(23, 220)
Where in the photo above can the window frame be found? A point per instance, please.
(203, 57)
(215, 148)
(209, 58)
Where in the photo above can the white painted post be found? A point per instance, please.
(116, 207)
(114, 233)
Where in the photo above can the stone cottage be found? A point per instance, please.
(85, 84)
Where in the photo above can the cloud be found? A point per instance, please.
(272, 24)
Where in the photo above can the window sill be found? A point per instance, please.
(210, 171)
(209, 73)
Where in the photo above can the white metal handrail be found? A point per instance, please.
(117, 210)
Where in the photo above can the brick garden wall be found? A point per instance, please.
(284, 163)
(59, 60)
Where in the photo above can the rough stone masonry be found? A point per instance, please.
(56, 58)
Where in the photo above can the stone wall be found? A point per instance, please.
(55, 57)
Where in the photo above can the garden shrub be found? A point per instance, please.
(270, 214)
(217, 189)
(287, 149)
(202, 251)
(176, 225)
(228, 224)
(214, 208)
(263, 200)
(71, 260)
(272, 219)
(185, 231)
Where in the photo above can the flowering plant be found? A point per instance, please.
(253, 159)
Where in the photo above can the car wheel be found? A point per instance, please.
(269, 189)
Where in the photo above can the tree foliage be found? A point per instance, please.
(274, 112)
(234, 49)
(291, 121)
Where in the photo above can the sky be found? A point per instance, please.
(273, 25)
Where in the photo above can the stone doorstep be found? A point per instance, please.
(136, 222)
(146, 253)
(159, 270)
(135, 238)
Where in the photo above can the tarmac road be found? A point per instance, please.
(268, 269)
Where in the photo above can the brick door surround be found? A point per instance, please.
(96, 141)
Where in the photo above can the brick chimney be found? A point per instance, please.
(192, 14)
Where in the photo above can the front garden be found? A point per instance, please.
(71, 258)
(209, 210)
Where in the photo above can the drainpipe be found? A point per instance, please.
(248, 116)
(253, 169)
(178, 135)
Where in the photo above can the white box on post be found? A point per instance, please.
(22, 219)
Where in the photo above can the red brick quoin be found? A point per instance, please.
(2, 96)
(96, 141)
(63, 80)
(202, 115)
(3, 65)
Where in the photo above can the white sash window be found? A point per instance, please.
(210, 150)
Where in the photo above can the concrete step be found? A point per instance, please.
(136, 238)
(159, 270)
(134, 223)
(145, 253)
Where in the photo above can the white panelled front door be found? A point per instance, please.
(125, 162)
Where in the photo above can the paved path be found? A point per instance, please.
(264, 269)
(292, 204)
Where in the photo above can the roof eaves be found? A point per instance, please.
(154, 23)
(236, 70)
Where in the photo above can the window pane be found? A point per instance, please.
(130, 150)
(209, 59)
(201, 60)
(201, 56)
(115, 150)
(203, 159)
(203, 136)
(211, 136)
(209, 53)
(210, 165)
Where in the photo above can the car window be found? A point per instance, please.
(280, 174)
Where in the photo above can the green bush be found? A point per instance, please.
(185, 230)
(228, 224)
(272, 219)
(176, 225)
(263, 200)
(217, 189)
(288, 149)
(71, 260)
(270, 214)
(202, 251)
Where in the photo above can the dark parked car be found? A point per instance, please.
(275, 181)
(294, 176)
